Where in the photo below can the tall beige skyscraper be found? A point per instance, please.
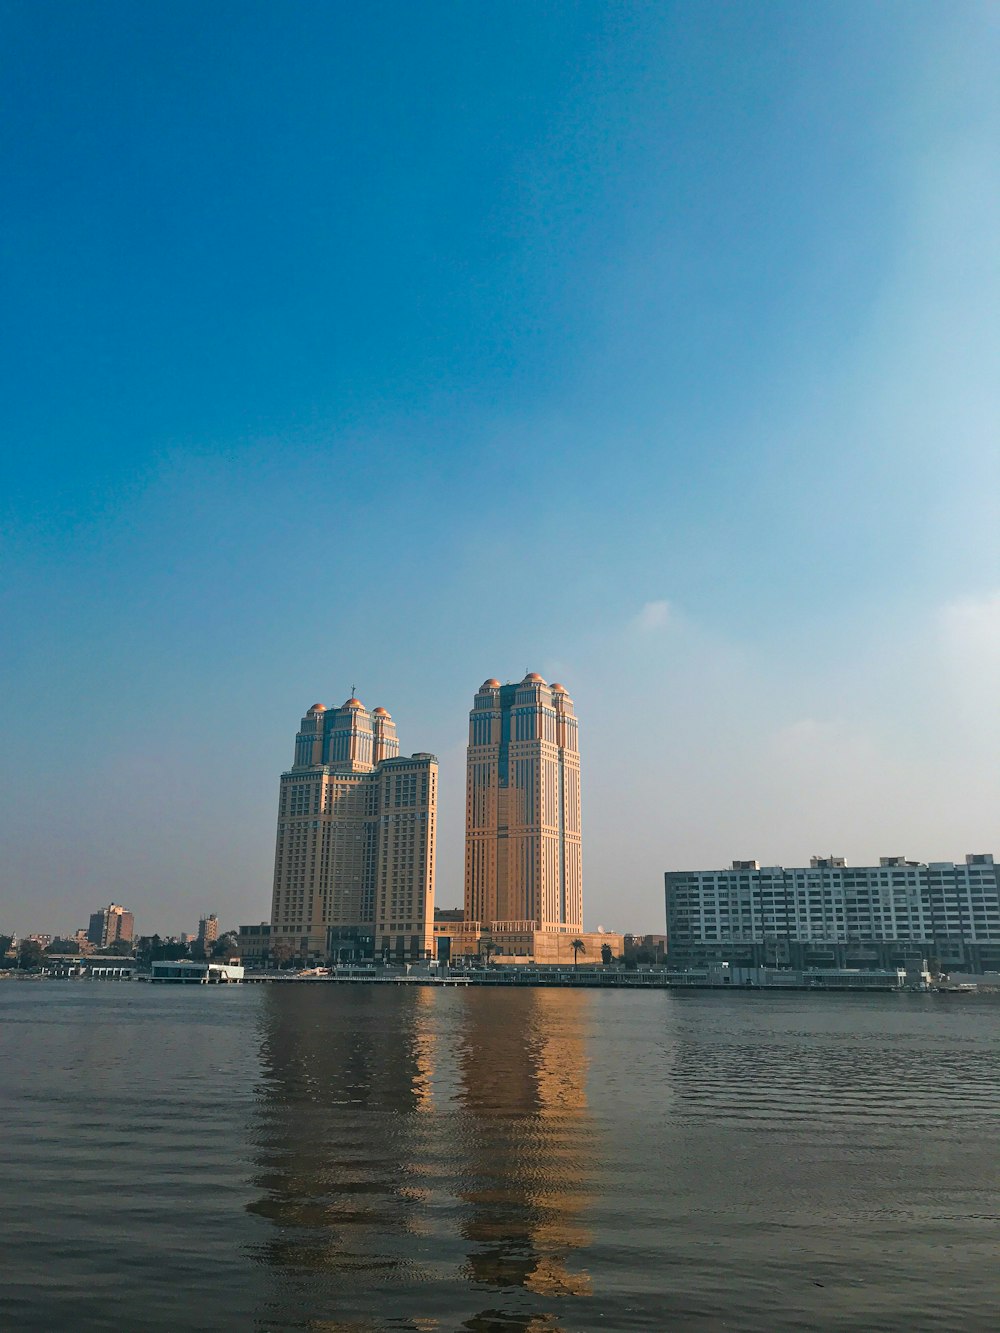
(354, 859)
(523, 869)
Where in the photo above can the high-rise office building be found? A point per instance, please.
(831, 914)
(110, 925)
(523, 868)
(354, 859)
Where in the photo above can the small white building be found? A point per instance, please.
(184, 971)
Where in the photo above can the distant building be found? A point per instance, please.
(354, 860)
(111, 925)
(255, 944)
(448, 914)
(644, 948)
(208, 932)
(829, 914)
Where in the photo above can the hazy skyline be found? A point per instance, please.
(650, 347)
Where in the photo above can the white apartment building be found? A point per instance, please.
(830, 912)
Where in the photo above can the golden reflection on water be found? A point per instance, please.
(416, 1146)
(524, 1082)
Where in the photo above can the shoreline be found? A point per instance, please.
(630, 982)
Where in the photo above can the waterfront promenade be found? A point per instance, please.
(602, 978)
(508, 976)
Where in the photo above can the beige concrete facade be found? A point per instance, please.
(463, 939)
(355, 850)
(551, 947)
(520, 942)
(523, 845)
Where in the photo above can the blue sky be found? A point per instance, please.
(653, 347)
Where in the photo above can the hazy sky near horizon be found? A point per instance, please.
(650, 346)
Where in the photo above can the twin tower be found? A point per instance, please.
(355, 852)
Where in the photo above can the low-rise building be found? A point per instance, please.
(255, 944)
(644, 948)
(519, 942)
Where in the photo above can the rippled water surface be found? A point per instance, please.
(363, 1158)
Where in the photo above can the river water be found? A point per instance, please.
(375, 1157)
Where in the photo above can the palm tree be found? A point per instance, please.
(487, 948)
(578, 947)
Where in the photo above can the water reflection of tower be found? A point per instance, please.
(338, 1129)
(529, 1146)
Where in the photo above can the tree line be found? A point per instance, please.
(149, 949)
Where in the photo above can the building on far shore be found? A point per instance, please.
(355, 848)
(522, 840)
(255, 944)
(208, 932)
(644, 948)
(457, 938)
(523, 851)
(110, 925)
(829, 914)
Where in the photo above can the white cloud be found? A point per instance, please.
(653, 616)
(972, 628)
(970, 641)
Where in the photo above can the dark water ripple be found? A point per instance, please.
(374, 1159)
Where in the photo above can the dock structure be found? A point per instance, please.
(645, 977)
(100, 968)
(598, 978)
(494, 976)
(182, 972)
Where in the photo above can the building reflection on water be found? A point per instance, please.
(530, 1151)
(335, 1153)
(415, 1149)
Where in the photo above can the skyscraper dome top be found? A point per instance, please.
(380, 712)
(491, 684)
(318, 708)
(533, 678)
(353, 703)
(556, 688)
